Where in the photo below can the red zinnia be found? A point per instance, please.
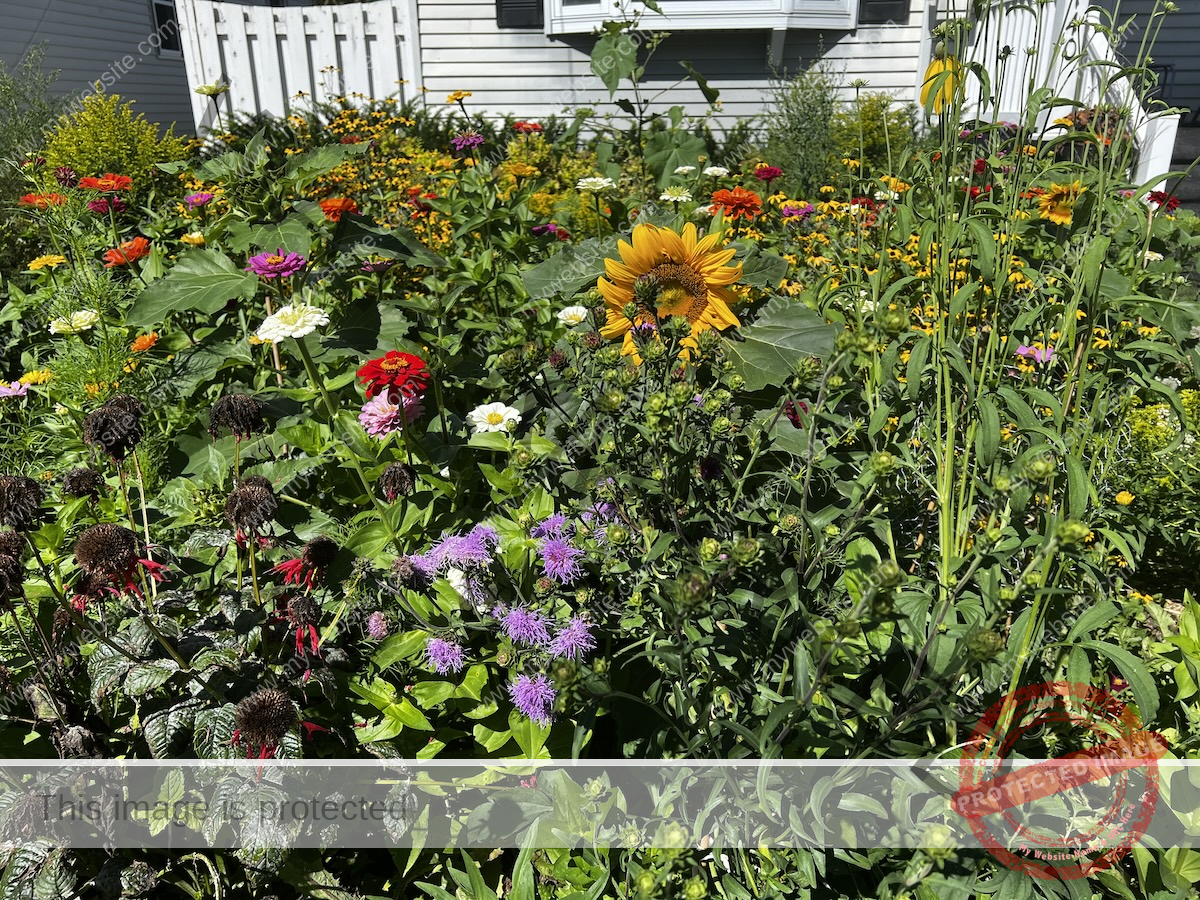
(980, 166)
(334, 207)
(351, 139)
(395, 369)
(737, 203)
(526, 127)
(767, 173)
(129, 251)
(1164, 201)
(107, 182)
(41, 201)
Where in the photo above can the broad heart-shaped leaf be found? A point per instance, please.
(614, 57)
(759, 269)
(203, 280)
(291, 236)
(570, 269)
(355, 232)
(780, 338)
(666, 151)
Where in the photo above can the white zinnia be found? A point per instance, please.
(1153, 256)
(572, 315)
(684, 170)
(75, 322)
(595, 184)
(492, 417)
(675, 194)
(292, 321)
(716, 171)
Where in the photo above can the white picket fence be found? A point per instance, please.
(277, 59)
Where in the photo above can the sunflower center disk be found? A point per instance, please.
(684, 291)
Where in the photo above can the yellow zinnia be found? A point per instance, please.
(1058, 203)
(690, 275)
(49, 261)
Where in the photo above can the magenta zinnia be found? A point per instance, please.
(275, 265)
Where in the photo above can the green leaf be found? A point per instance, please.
(355, 232)
(772, 346)
(668, 150)
(291, 236)
(1093, 617)
(918, 360)
(203, 280)
(1145, 692)
(573, 267)
(614, 57)
(761, 269)
(530, 736)
(145, 677)
(987, 438)
(711, 94)
(1078, 488)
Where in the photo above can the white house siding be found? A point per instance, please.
(1176, 43)
(526, 74)
(90, 41)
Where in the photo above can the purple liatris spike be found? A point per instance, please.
(377, 626)
(560, 560)
(533, 697)
(445, 656)
(525, 626)
(573, 640)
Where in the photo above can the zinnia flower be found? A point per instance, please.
(1058, 203)
(595, 184)
(533, 697)
(335, 207)
(390, 412)
(684, 170)
(377, 266)
(102, 206)
(715, 172)
(48, 261)
(493, 417)
(767, 173)
(41, 201)
(275, 265)
(144, 342)
(1163, 201)
(792, 211)
(129, 251)
(689, 276)
(467, 140)
(572, 315)
(527, 127)
(738, 203)
(75, 322)
(675, 194)
(197, 200)
(108, 183)
(395, 369)
(292, 321)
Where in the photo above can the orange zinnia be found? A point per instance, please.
(737, 203)
(107, 182)
(129, 251)
(41, 201)
(334, 207)
(144, 342)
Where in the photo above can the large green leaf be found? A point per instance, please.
(573, 267)
(355, 232)
(291, 236)
(614, 57)
(772, 346)
(203, 280)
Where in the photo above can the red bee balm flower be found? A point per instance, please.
(403, 371)
(334, 207)
(129, 251)
(107, 182)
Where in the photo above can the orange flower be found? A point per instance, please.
(144, 342)
(129, 251)
(737, 203)
(41, 201)
(107, 182)
(334, 207)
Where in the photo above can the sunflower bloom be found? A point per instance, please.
(1058, 203)
(691, 277)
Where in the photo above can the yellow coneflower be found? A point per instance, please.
(941, 80)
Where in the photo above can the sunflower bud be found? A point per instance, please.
(645, 291)
(1040, 468)
(611, 400)
(745, 551)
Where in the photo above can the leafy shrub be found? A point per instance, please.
(874, 130)
(106, 136)
(799, 128)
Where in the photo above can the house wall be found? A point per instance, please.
(1175, 44)
(526, 74)
(89, 41)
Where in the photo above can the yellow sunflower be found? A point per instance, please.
(691, 277)
(1058, 203)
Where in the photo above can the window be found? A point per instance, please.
(519, 14)
(165, 39)
(584, 16)
(883, 12)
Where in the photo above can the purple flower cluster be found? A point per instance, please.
(573, 640)
(470, 552)
(534, 696)
(791, 211)
(377, 626)
(445, 656)
(525, 626)
(560, 560)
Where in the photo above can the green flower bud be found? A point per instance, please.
(1040, 468)
(617, 535)
(570, 374)
(836, 381)
(844, 341)
(848, 627)
(882, 463)
(583, 596)
(503, 658)
(938, 841)
(807, 369)
(745, 551)
(533, 353)
(1072, 532)
(789, 522)
(735, 382)
(707, 340)
(888, 575)
(894, 321)
(721, 426)
(522, 458)
(653, 350)
(710, 549)
(600, 665)
(1008, 594)
(630, 310)
(984, 645)
(677, 327)
(611, 400)
(695, 889)
(645, 291)
(543, 586)
(693, 590)
(681, 393)
(657, 473)
(1002, 483)
(593, 789)
(628, 376)
(656, 402)
(832, 530)
(508, 361)
(645, 883)
(882, 605)
(609, 356)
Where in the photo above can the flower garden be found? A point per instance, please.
(396, 433)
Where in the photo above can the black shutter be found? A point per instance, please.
(881, 12)
(519, 14)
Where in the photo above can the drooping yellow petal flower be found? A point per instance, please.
(941, 80)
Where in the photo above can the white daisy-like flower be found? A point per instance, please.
(685, 170)
(886, 195)
(715, 172)
(1172, 383)
(76, 322)
(1153, 256)
(292, 321)
(675, 194)
(572, 315)
(492, 417)
(595, 184)
(702, 212)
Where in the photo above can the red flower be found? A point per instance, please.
(795, 410)
(351, 139)
(129, 251)
(980, 166)
(395, 369)
(414, 197)
(767, 173)
(41, 201)
(334, 207)
(738, 203)
(1164, 201)
(526, 127)
(107, 183)
(976, 192)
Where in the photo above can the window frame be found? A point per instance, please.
(160, 51)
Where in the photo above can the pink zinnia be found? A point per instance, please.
(275, 265)
(390, 412)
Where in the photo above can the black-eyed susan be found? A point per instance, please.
(688, 276)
